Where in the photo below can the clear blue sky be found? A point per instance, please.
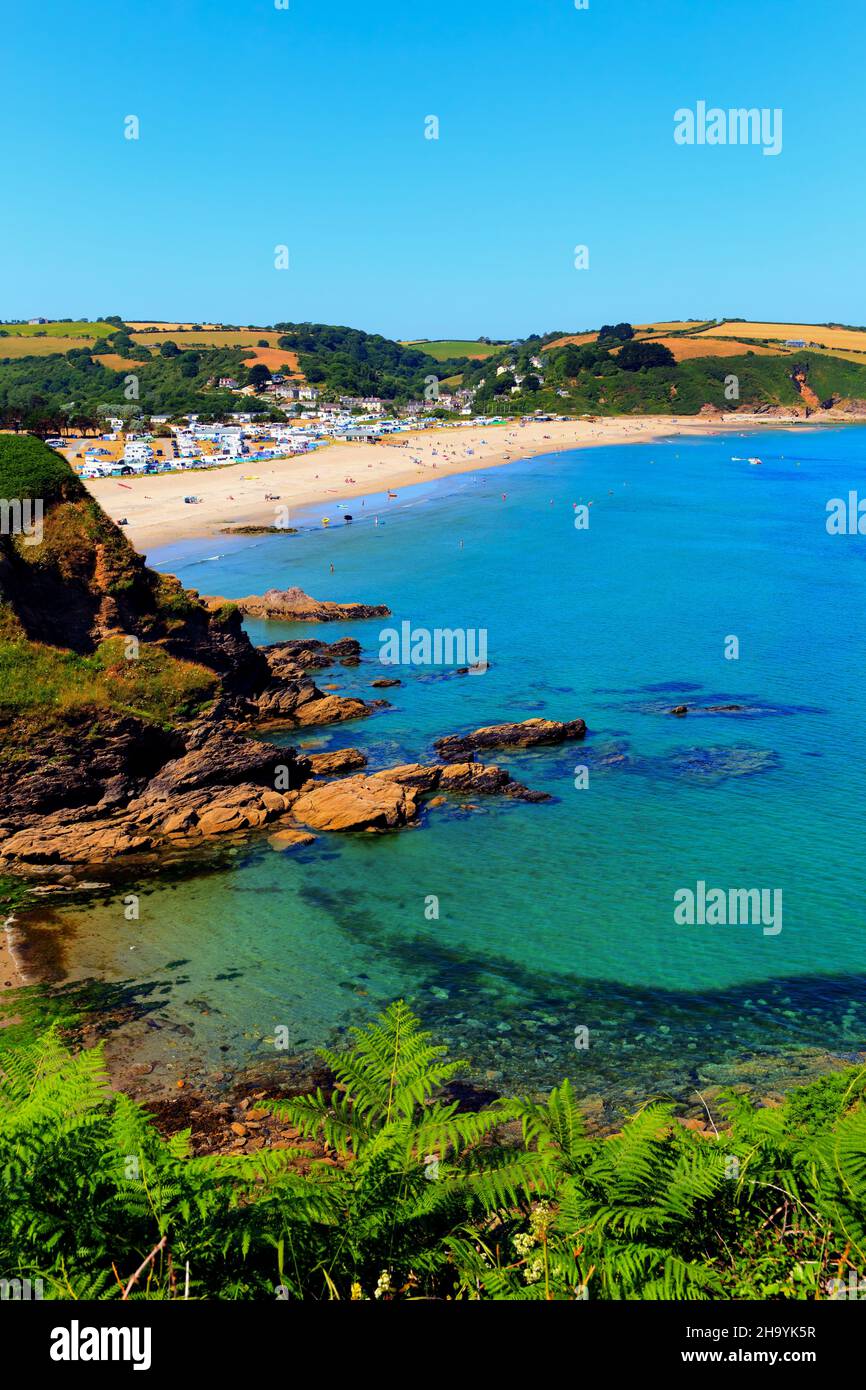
(305, 127)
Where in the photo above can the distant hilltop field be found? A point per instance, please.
(63, 375)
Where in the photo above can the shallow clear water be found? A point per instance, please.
(559, 915)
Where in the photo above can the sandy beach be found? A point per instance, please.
(156, 513)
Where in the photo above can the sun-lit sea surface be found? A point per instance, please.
(557, 916)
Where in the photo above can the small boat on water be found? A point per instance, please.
(755, 462)
(392, 494)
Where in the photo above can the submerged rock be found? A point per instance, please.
(290, 838)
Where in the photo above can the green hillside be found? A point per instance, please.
(59, 328)
(643, 378)
(446, 349)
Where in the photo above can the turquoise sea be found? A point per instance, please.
(559, 916)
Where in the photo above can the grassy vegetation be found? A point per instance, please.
(419, 1198)
(444, 349)
(57, 328)
(831, 337)
(207, 337)
(29, 469)
(42, 683)
(594, 380)
(21, 347)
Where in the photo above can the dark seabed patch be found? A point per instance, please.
(516, 1028)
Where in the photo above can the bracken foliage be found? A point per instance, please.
(418, 1198)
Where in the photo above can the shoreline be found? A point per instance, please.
(235, 495)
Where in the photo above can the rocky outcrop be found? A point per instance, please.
(302, 705)
(356, 803)
(227, 759)
(290, 838)
(292, 696)
(294, 606)
(339, 760)
(289, 659)
(392, 799)
(529, 734)
(66, 766)
(478, 780)
(233, 784)
(221, 782)
(144, 827)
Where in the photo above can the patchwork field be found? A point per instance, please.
(80, 328)
(674, 326)
(858, 357)
(272, 357)
(115, 363)
(443, 348)
(208, 337)
(21, 346)
(688, 347)
(848, 338)
(570, 338)
(141, 325)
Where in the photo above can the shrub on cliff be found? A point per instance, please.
(29, 469)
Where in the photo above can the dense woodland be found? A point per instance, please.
(348, 362)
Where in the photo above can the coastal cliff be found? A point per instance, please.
(124, 698)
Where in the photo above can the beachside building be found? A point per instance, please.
(295, 391)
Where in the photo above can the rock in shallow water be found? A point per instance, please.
(530, 733)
